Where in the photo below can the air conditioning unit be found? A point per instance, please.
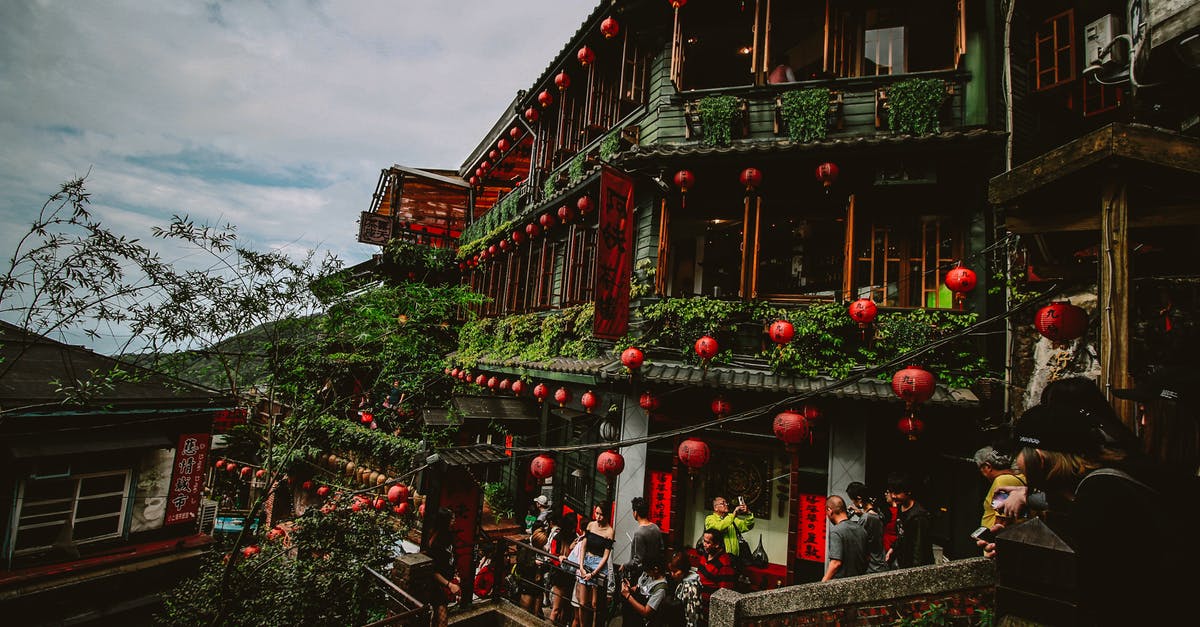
(1098, 37)
(207, 519)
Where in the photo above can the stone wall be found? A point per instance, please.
(963, 587)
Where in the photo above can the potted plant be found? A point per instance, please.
(806, 112)
(915, 105)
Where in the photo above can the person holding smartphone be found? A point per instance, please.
(729, 523)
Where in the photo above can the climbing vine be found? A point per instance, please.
(716, 116)
(806, 111)
(914, 105)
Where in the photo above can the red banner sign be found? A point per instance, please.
(660, 499)
(460, 494)
(187, 478)
(614, 255)
(810, 544)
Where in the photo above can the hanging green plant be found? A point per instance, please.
(914, 105)
(610, 146)
(548, 188)
(806, 113)
(716, 116)
(575, 170)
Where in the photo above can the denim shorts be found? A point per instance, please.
(590, 564)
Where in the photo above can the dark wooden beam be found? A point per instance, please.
(1073, 220)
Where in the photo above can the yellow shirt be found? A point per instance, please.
(1001, 481)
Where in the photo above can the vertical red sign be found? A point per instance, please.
(660, 499)
(187, 478)
(614, 255)
(811, 534)
(460, 494)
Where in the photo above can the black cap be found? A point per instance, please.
(1059, 427)
(1172, 385)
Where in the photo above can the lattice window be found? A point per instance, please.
(91, 505)
(1054, 51)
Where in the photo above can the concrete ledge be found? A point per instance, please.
(728, 607)
(496, 614)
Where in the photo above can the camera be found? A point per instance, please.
(984, 533)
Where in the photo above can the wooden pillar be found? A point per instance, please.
(1113, 296)
(848, 253)
(794, 515)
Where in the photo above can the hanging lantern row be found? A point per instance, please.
(751, 178)
(543, 224)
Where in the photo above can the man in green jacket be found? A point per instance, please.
(726, 522)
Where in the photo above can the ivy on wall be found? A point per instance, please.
(610, 145)
(420, 255)
(914, 105)
(529, 337)
(716, 117)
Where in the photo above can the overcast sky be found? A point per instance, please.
(276, 116)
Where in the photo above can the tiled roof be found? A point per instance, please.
(472, 455)
(495, 408)
(765, 381)
(637, 154)
(560, 364)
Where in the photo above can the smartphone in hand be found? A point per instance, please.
(984, 533)
(742, 501)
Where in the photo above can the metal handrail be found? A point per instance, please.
(412, 606)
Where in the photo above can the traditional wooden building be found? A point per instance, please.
(785, 154)
(101, 481)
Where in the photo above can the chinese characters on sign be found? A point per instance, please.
(660, 499)
(374, 228)
(810, 543)
(226, 419)
(614, 255)
(187, 478)
(461, 495)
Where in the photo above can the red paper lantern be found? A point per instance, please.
(481, 380)
(514, 132)
(504, 245)
(707, 348)
(584, 204)
(684, 179)
(531, 114)
(492, 250)
(220, 463)
(793, 427)
(562, 81)
(545, 99)
(261, 473)
(610, 464)
(542, 466)
(492, 154)
(914, 385)
(250, 551)
(533, 230)
(485, 166)
(586, 56)
(503, 145)
(246, 470)
(323, 491)
(397, 493)
(474, 181)
(721, 406)
(231, 467)
(633, 358)
(479, 172)
(562, 396)
(751, 178)
(863, 311)
(504, 385)
(911, 426)
(648, 401)
(566, 214)
(518, 237)
(492, 383)
(307, 486)
(274, 534)
(357, 505)
(547, 220)
(609, 28)
(588, 400)
(380, 503)
(781, 331)
(518, 386)
(540, 392)
(403, 508)
(960, 280)
(693, 453)
(1061, 322)
(827, 173)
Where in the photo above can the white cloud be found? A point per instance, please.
(276, 116)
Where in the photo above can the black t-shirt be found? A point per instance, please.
(913, 546)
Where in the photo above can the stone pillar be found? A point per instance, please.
(632, 481)
(413, 572)
(847, 452)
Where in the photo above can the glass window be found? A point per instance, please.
(92, 506)
(717, 43)
(800, 252)
(795, 40)
(581, 264)
(1054, 58)
(900, 260)
(893, 37)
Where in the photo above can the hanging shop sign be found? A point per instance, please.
(187, 478)
(374, 228)
(660, 499)
(810, 544)
(614, 255)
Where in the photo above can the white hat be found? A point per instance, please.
(541, 500)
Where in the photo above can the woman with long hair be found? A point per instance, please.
(593, 575)
(561, 579)
(529, 575)
(440, 549)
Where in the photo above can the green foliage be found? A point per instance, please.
(610, 145)
(529, 337)
(411, 254)
(914, 105)
(499, 499)
(493, 225)
(641, 283)
(548, 188)
(678, 322)
(716, 116)
(318, 579)
(575, 170)
(806, 111)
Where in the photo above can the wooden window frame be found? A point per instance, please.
(845, 53)
(515, 281)
(1061, 76)
(581, 266)
(73, 502)
(542, 275)
(1117, 95)
(908, 252)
